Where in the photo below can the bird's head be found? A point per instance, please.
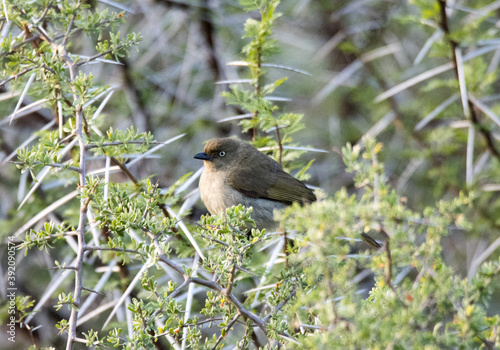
(222, 153)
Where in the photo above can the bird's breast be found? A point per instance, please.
(218, 195)
(216, 192)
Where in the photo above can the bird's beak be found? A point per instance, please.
(203, 156)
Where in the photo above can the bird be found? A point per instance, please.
(238, 173)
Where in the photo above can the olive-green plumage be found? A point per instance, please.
(237, 173)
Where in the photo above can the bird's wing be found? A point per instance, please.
(270, 183)
(288, 189)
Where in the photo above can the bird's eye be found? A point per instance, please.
(222, 153)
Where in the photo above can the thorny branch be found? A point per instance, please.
(285, 249)
(280, 145)
(257, 90)
(125, 170)
(209, 284)
(227, 329)
(208, 320)
(83, 182)
(473, 113)
(15, 76)
(388, 266)
(120, 143)
(120, 250)
(279, 306)
(230, 281)
(55, 165)
(96, 56)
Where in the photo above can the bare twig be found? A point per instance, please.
(488, 344)
(388, 266)
(178, 289)
(63, 268)
(280, 144)
(247, 271)
(227, 329)
(92, 291)
(70, 27)
(280, 306)
(473, 114)
(15, 76)
(54, 165)
(125, 170)
(214, 239)
(83, 182)
(24, 42)
(230, 281)
(96, 56)
(287, 264)
(257, 89)
(121, 250)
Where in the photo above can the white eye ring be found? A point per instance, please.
(222, 153)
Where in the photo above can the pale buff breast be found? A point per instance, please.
(217, 195)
